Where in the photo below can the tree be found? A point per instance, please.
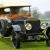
(47, 13)
(36, 13)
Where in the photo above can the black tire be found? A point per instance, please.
(48, 35)
(3, 27)
(48, 32)
(16, 40)
(48, 42)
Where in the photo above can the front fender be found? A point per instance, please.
(16, 28)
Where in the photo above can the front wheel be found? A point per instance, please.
(48, 35)
(48, 42)
(16, 40)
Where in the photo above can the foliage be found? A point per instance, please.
(36, 13)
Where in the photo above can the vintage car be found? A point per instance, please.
(17, 21)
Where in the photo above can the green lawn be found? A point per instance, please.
(5, 44)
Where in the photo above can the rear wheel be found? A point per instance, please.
(3, 28)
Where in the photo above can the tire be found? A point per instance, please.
(48, 35)
(16, 40)
(3, 27)
(48, 42)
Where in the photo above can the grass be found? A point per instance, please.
(5, 44)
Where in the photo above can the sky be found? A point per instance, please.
(42, 5)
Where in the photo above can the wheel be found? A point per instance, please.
(3, 28)
(16, 40)
(48, 42)
(48, 35)
(48, 32)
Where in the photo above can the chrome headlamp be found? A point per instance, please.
(43, 26)
(28, 26)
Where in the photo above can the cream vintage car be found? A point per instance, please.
(16, 20)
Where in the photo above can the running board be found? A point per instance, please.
(35, 40)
